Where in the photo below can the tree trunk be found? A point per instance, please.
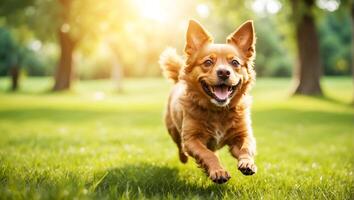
(15, 73)
(308, 68)
(64, 71)
(117, 71)
(117, 74)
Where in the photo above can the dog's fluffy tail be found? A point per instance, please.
(171, 64)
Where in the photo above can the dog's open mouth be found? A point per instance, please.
(219, 92)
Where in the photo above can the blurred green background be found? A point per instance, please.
(102, 136)
(126, 37)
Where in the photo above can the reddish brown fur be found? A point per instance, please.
(198, 126)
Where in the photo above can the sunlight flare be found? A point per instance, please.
(152, 9)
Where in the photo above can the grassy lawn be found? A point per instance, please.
(92, 143)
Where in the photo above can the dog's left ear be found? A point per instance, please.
(244, 38)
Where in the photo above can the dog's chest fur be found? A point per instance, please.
(216, 140)
(217, 132)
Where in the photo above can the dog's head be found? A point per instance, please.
(219, 73)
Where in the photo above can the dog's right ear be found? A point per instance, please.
(197, 36)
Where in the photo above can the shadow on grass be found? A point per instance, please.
(151, 181)
(60, 115)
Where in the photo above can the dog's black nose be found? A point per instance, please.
(223, 74)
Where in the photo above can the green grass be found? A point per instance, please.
(92, 143)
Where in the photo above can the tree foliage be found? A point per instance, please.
(14, 54)
(335, 40)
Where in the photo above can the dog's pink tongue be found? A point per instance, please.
(221, 92)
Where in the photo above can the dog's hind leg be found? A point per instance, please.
(176, 137)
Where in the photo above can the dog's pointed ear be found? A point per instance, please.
(197, 36)
(244, 38)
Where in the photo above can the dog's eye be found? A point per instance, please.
(208, 63)
(235, 63)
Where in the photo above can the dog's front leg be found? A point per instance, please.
(207, 159)
(243, 149)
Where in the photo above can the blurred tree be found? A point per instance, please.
(272, 57)
(15, 56)
(308, 69)
(86, 24)
(21, 17)
(335, 39)
(9, 57)
(10, 51)
(63, 74)
(71, 21)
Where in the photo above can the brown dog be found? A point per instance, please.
(209, 104)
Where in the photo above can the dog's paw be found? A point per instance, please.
(183, 157)
(219, 176)
(247, 166)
